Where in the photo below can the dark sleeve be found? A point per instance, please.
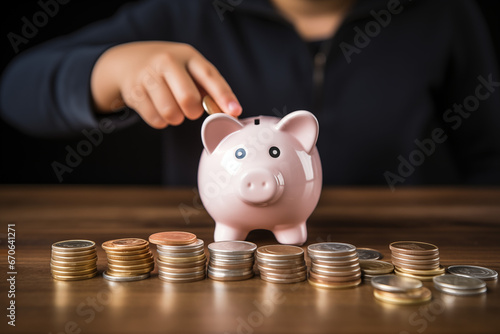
(45, 91)
(472, 98)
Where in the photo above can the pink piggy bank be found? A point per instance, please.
(260, 173)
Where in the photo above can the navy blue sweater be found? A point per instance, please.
(405, 92)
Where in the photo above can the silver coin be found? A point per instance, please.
(125, 278)
(330, 247)
(333, 257)
(198, 244)
(368, 254)
(232, 247)
(170, 254)
(69, 244)
(238, 273)
(458, 282)
(393, 283)
(459, 292)
(473, 271)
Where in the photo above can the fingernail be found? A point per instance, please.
(234, 108)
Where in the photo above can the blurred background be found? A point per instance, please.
(26, 159)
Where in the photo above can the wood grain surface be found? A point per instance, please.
(464, 223)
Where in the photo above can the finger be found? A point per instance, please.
(139, 100)
(208, 77)
(184, 91)
(162, 98)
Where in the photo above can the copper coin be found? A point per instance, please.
(415, 261)
(125, 244)
(210, 106)
(414, 247)
(414, 266)
(131, 262)
(113, 257)
(418, 277)
(335, 273)
(113, 272)
(231, 278)
(327, 278)
(126, 252)
(405, 256)
(118, 267)
(172, 238)
(437, 271)
(278, 271)
(282, 280)
(280, 252)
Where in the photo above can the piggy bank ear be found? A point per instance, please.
(302, 125)
(217, 127)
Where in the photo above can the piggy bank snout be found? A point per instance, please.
(259, 187)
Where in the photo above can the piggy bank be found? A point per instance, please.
(260, 173)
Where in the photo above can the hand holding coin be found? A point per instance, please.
(210, 106)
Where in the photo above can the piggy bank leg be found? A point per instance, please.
(295, 234)
(225, 232)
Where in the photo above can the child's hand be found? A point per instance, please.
(163, 81)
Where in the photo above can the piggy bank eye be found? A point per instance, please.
(274, 152)
(240, 153)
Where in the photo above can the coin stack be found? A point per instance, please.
(129, 260)
(334, 265)
(400, 290)
(231, 260)
(281, 264)
(416, 259)
(368, 254)
(374, 268)
(482, 273)
(73, 260)
(181, 256)
(459, 285)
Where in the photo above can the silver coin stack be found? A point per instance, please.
(231, 260)
(459, 285)
(334, 265)
(281, 264)
(183, 263)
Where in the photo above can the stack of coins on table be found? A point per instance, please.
(231, 260)
(368, 254)
(73, 260)
(334, 265)
(129, 259)
(181, 256)
(400, 290)
(482, 273)
(374, 268)
(281, 264)
(416, 259)
(458, 285)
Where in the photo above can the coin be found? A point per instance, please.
(458, 282)
(327, 248)
(75, 258)
(438, 271)
(196, 245)
(73, 252)
(181, 279)
(473, 271)
(249, 275)
(232, 247)
(280, 252)
(282, 280)
(329, 272)
(393, 283)
(333, 285)
(423, 278)
(368, 254)
(116, 258)
(73, 245)
(74, 277)
(172, 238)
(125, 244)
(127, 252)
(428, 262)
(376, 267)
(331, 278)
(414, 247)
(74, 264)
(124, 278)
(210, 106)
(459, 292)
(416, 296)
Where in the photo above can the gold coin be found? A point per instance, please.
(118, 272)
(327, 278)
(376, 267)
(404, 256)
(419, 277)
(172, 238)
(430, 261)
(433, 272)
(183, 259)
(414, 247)
(231, 278)
(131, 267)
(72, 272)
(74, 278)
(73, 245)
(415, 267)
(210, 106)
(114, 257)
(125, 244)
(73, 268)
(130, 263)
(181, 280)
(73, 264)
(333, 285)
(272, 279)
(285, 276)
(417, 296)
(74, 258)
(73, 252)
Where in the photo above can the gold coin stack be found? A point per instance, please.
(129, 259)
(334, 265)
(400, 290)
(231, 260)
(181, 256)
(73, 260)
(281, 264)
(416, 259)
(374, 268)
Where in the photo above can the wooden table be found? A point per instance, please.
(464, 223)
